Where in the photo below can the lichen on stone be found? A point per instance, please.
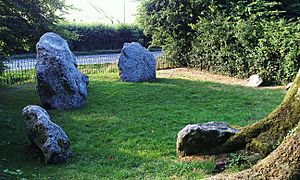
(48, 137)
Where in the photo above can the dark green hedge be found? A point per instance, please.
(242, 48)
(231, 37)
(91, 37)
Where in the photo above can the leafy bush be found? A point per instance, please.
(168, 21)
(232, 37)
(278, 54)
(23, 22)
(268, 47)
(91, 37)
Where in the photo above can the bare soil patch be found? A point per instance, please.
(194, 74)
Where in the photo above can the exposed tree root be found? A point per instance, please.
(282, 164)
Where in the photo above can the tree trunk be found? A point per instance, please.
(282, 164)
(280, 130)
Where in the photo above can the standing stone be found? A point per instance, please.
(255, 80)
(48, 137)
(197, 139)
(59, 83)
(136, 63)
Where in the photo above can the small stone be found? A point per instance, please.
(136, 63)
(255, 80)
(197, 139)
(49, 138)
(60, 84)
(288, 86)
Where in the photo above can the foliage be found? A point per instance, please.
(128, 130)
(168, 22)
(232, 37)
(291, 8)
(23, 22)
(16, 173)
(243, 48)
(91, 37)
(2, 59)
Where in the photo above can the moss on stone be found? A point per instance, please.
(40, 132)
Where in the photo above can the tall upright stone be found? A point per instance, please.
(136, 63)
(59, 82)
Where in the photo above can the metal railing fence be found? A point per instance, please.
(23, 70)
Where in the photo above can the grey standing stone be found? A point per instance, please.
(255, 80)
(136, 63)
(48, 137)
(59, 83)
(202, 138)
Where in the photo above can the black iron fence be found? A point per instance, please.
(23, 70)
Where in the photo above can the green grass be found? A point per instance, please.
(127, 130)
(15, 77)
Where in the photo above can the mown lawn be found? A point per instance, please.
(127, 130)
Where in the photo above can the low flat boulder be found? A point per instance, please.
(49, 138)
(254, 81)
(60, 84)
(195, 139)
(136, 63)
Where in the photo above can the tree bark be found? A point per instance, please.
(276, 137)
(282, 164)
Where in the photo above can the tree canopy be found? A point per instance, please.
(168, 23)
(22, 22)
